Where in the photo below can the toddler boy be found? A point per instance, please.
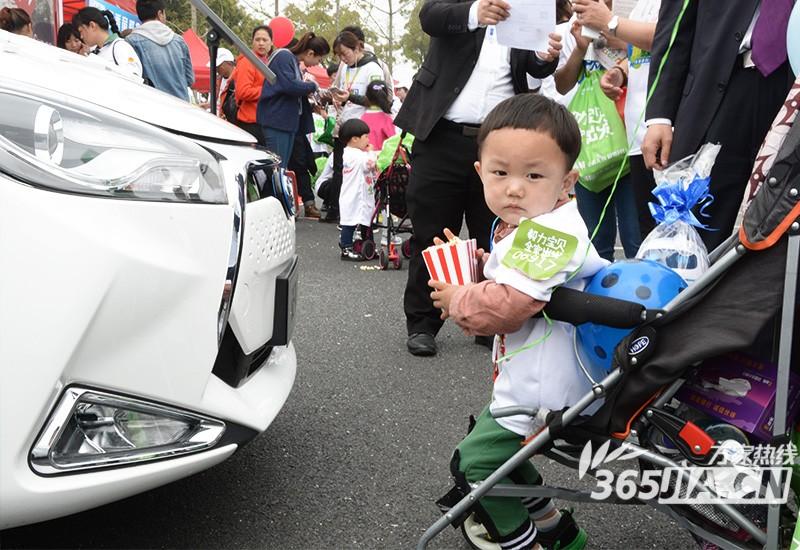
(526, 150)
(356, 198)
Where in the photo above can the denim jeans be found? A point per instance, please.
(280, 143)
(621, 211)
(346, 236)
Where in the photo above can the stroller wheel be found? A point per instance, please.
(476, 535)
(398, 262)
(406, 248)
(383, 261)
(368, 249)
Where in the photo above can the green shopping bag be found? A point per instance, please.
(323, 130)
(604, 144)
(389, 148)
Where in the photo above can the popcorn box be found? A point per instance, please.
(452, 262)
(741, 391)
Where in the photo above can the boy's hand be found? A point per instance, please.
(447, 235)
(442, 295)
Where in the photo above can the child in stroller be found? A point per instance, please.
(750, 291)
(526, 149)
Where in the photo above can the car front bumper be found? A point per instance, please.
(124, 297)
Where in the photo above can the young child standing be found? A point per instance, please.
(356, 198)
(526, 150)
(379, 114)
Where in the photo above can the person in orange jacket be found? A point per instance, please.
(249, 82)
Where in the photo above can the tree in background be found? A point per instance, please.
(179, 17)
(321, 17)
(383, 17)
(414, 42)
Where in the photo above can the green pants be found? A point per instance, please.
(482, 452)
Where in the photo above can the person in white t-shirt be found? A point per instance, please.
(527, 147)
(99, 30)
(356, 197)
(580, 57)
(638, 30)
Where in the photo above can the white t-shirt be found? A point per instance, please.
(355, 80)
(638, 71)
(357, 197)
(546, 375)
(118, 53)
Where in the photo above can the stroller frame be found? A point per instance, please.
(723, 258)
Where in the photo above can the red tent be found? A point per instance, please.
(198, 51)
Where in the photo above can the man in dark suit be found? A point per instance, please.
(723, 82)
(465, 74)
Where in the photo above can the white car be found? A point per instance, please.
(147, 286)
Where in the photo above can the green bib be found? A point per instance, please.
(540, 252)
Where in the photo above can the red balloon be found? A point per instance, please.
(282, 31)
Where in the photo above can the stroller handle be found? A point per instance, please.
(577, 307)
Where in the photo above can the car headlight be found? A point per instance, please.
(70, 145)
(93, 429)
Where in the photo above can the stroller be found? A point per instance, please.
(750, 288)
(390, 204)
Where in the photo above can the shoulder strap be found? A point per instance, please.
(274, 53)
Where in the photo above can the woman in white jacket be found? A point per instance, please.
(99, 30)
(349, 89)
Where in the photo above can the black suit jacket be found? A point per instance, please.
(695, 76)
(451, 57)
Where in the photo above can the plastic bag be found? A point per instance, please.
(681, 187)
(604, 143)
(389, 148)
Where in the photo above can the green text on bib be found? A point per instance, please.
(540, 252)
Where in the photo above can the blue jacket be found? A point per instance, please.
(284, 104)
(165, 58)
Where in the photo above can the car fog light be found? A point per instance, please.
(93, 429)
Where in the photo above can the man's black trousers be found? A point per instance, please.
(444, 188)
(745, 114)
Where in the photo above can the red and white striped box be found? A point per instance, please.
(453, 262)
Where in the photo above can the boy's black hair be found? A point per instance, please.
(147, 10)
(538, 113)
(355, 127)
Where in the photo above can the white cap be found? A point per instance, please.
(223, 55)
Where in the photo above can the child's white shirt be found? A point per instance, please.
(357, 197)
(546, 375)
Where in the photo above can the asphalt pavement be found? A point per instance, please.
(359, 453)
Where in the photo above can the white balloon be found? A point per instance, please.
(793, 39)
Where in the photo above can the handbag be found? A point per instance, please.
(229, 106)
(604, 143)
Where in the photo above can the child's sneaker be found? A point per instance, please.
(564, 536)
(348, 255)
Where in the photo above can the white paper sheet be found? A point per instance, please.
(528, 25)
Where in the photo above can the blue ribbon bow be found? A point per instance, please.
(676, 200)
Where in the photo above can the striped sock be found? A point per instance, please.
(543, 512)
(520, 539)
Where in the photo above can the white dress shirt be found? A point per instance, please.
(490, 81)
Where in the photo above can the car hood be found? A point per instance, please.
(89, 78)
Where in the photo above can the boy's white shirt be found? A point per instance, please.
(547, 375)
(356, 198)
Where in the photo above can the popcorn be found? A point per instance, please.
(452, 262)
